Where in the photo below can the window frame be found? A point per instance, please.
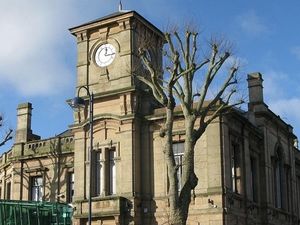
(70, 186)
(8, 190)
(236, 168)
(278, 179)
(111, 173)
(254, 175)
(104, 178)
(40, 188)
(179, 155)
(98, 180)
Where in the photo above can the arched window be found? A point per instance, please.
(278, 178)
(236, 168)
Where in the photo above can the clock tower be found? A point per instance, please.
(107, 62)
(108, 51)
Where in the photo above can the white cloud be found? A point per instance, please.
(252, 24)
(282, 102)
(296, 51)
(288, 109)
(31, 40)
(273, 84)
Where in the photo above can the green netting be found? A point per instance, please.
(34, 213)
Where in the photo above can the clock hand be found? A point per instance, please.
(110, 54)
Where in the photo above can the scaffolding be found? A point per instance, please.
(34, 213)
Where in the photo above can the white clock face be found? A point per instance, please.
(105, 55)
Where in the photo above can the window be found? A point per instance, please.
(112, 172)
(98, 182)
(104, 172)
(36, 188)
(287, 186)
(178, 151)
(8, 190)
(236, 169)
(70, 187)
(298, 193)
(253, 179)
(277, 168)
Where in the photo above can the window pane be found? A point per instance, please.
(278, 191)
(8, 191)
(253, 179)
(36, 188)
(70, 187)
(178, 148)
(98, 171)
(112, 172)
(178, 151)
(236, 171)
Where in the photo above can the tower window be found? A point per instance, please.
(112, 172)
(98, 176)
(104, 172)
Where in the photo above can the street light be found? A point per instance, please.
(77, 104)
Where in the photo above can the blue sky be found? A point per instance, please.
(38, 54)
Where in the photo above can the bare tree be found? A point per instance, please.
(8, 134)
(185, 65)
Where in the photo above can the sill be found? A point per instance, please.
(106, 197)
(100, 198)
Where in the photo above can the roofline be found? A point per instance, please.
(133, 13)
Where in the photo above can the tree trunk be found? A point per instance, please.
(169, 156)
(180, 201)
(182, 66)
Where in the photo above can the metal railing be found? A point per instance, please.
(34, 213)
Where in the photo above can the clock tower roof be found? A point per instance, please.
(105, 20)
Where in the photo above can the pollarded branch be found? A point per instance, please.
(194, 50)
(7, 137)
(227, 83)
(211, 106)
(154, 83)
(213, 69)
(207, 80)
(221, 109)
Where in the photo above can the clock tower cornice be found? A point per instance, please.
(123, 18)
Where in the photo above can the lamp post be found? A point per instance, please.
(77, 104)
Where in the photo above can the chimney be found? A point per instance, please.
(255, 88)
(23, 131)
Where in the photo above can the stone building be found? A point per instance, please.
(247, 162)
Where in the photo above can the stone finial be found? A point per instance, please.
(24, 116)
(255, 88)
(23, 130)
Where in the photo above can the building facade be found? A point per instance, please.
(247, 162)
